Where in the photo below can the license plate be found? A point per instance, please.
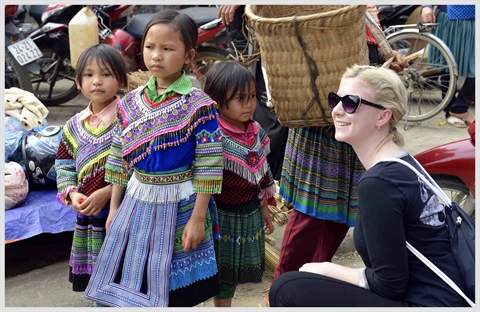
(25, 51)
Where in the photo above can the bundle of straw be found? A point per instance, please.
(137, 79)
(279, 217)
(271, 256)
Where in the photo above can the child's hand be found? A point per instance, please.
(193, 233)
(267, 219)
(110, 217)
(94, 203)
(76, 200)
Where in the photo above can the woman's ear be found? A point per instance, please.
(190, 56)
(384, 117)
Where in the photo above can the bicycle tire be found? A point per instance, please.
(205, 58)
(423, 76)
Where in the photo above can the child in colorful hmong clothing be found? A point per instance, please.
(82, 154)
(165, 162)
(248, 185)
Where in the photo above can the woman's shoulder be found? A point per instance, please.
(393, 170)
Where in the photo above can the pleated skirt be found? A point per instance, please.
(459, 36)
(320, 175)
(240, 250)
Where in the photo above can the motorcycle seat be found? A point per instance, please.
(36, 11)
(201, 15)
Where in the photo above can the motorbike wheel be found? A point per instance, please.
(205, 58)
(56, 83)
(458, 192)
(16, 75)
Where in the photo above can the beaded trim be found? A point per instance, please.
(172, 178)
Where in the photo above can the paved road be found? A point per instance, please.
(49, 287)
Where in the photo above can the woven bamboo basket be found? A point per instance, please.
(305, 49)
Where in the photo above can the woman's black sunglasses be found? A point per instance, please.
(350, 103)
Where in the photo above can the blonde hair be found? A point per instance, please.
(389, 92)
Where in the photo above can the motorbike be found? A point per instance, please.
(54, 81)
(390, 15)
(211, 43)
(19, 57)
(452, 166)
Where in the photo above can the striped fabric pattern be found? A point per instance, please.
(459, 36)
(320, 175)
(241, 248)
(142, 258)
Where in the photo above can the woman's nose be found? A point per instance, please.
(337, 110)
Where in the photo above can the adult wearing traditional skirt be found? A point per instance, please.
(457, 29)
(320, 177)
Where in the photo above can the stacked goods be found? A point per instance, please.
(305, 49)
(279, 217)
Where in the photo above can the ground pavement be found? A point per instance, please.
(49, 287)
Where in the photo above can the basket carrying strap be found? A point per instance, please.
(312, 66)
(437, 190)
(379, 36)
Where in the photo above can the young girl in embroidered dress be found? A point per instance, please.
(248, 185)
(83, 152)
(165, 162)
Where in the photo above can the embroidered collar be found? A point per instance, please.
(182, 85)
(105, 117)
(252, 128)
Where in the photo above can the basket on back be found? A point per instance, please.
(305, 49)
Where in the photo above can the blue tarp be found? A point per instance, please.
(40, 213)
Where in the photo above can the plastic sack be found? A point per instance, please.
(16, 185)
(14, 132)
(39, 149)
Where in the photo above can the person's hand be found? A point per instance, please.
(193, 233)
(94, 203)
(267, 219)
(226, 12)
(398, 63)
(427, 15)
(316, 267)
(76, 200)
(110, 217)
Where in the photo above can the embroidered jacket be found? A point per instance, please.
(179, 130)
(246, 171)
(82, 155)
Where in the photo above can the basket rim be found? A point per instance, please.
(259, 19)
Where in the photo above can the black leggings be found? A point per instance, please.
(303, 289)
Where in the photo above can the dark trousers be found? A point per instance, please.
(304, 289)
(459, 104)
(307, 239)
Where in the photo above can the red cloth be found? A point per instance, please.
(307, 239)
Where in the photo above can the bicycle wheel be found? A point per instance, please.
(205, 58)
(431, 82)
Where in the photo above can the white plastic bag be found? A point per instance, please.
(16, 185)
